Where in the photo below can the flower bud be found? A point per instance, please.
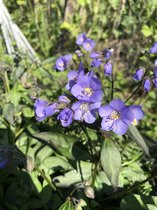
(108, 68)
(147, 85)
(29, 164)
(153, 49)
(89, 192)
(82, 203)
(139, 74)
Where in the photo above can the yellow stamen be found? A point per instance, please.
(114, 115)
(134, 122)
(88, 91)
(84, 107)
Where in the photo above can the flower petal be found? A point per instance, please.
(119, 127)
(106, 124)
(89, 117)
(117, 104)
(137, 111)
(105, 110)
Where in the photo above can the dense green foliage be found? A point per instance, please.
(48, 161)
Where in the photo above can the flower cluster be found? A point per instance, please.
(83, 102)
(148, 80)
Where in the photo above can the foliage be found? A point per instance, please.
(52, 167)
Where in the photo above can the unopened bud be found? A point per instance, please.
(78, 207)
(82, 203)
(89, 192)
(29, 164)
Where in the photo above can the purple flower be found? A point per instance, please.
(116, 117)
(73, 76)
(155, 71)
(44, 109)
(88, 44)
(139, 74)
(155, 82)
(108, 68)
(64, 99)
(96, 62)
(80, 39)
(94, 55)
(107, 53)
(66, 117)
(88, 88)
(147, 85)
(62, 62)
(153, 49)
(138, 114)
(155, 62)
(84, 111)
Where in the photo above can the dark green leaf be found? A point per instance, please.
(61, 143)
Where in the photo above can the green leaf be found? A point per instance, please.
(114, 3)
(46, 194)
(56, 163)
(135, 135)
(84, 170)
(61, 143)
(151, 207)
(147, 31)
(68, 205)
(111, 161)
(138, 202)
(8, 113)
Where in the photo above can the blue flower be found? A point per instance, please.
(74, 75)
(137, 112)
(80, 39)
(94, 55)
(88, 44)
(107, 53)
(66, 117)
(108, 68)
(64, 99)
(88, 88)
(155, 81)
(96, 62)
(116, 117)
(147, 85)
(62, 62)
(153, 49)
(44, 109)
(85, 111)
(139, 74)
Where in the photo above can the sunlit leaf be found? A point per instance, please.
(111, 161)
(135, 135)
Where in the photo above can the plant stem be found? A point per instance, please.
(112, 86)
(47, 179)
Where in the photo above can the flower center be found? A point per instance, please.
(84, 107)
(61, 64)
(87, 92)
(88, 45)
(134, 122)
(114, 115)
